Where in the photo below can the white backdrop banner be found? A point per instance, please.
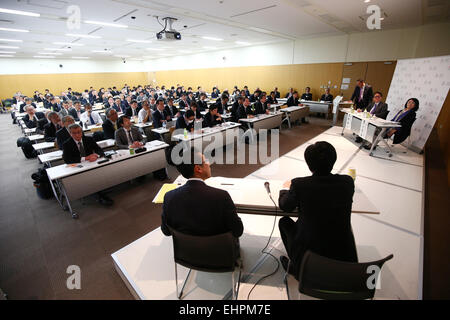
(427, 79)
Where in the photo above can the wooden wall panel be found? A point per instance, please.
(379, 76)
(354, 71)
(443, 130)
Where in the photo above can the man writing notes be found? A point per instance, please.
(323, 226)
(80, 148)
(212, 117)
(196, 208)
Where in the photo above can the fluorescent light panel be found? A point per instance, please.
(57, 49)
(212, 38)
(80, 57)
(22, 13)
(69, 44)
(82, 36)
(9, 47)
(11, 40)
(121, 56)
(101, 51)
(51, 53)
(14, 30)
(6, 56)
(45, 57)
(7, 52)
(106, 24)
(139, 41)
(155, 49)
(242, 43)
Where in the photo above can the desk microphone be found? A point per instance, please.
(267, 186)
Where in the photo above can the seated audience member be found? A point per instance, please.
(215, 93)
(198, 209)
(245, 111)
(28, 102)
(406, 117)
(183, 103)
(261, 105)
(327, 96)
(290, 93)
(222, 105)
(126, 102)
(110, 103)
(32, 117)
(293, 101)
(64, 110)
(160, 116)
(193, 106)
(212, 117)
(95, 98)
(90, 117)
(133, 110)
(247, 92)
(190, 98)
(118, 105)
(63, 134)
(52, 127)
(76, 111)
(145, 114)
(377, 108)
(43, 122)
(79, 148)
(277, 93)
(171, 109)
(272, 99)
(152, 103)
(255, 96)
(110, 125)
(235, 107)
(54, 105)
(307, 95)
(201, 103)
(186, 121)
(127, 136)
(323, 226)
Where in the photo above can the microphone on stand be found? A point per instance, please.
(267, 186)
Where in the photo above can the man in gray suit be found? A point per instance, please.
(378, 108)
(127, 136)
(64, 110)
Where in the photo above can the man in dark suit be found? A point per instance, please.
(261, 105)
(290, 93)
(378, 108)
(362, 95)
(133, 110)
(171, 109)
(272, 99)
(79, 148)
(28, 102)
(307, 95)
(324, 227)
(110, 125)
(212, 117)
(76, 111)
(235, 107)
(201, 103)
(63, 134)
(255, 96)
(52, 127)
(186, 121)
(245, 111)
(327, 96)
(293, 100)
(222, 104)
(160, 115)
(32, 117)
(197, 209)
(183, 103)
(193, 106)
(128, 135)
(277, 93)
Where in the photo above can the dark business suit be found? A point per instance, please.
(324, 227)
(234, 111)
(71, 154)
(23, 107)
(129, 112)
(210, 121)
(73, 112)
(202, 105)
(242, 112)
(33, 123)
(366, 99)
(62, 135)
(406, 121)
(158, 117)
(171, 111)
(181, 124)
(327, 97)
(306, 96)
(381, 110)
(272, 100)
(260, 108)
(183, 105)
(117, 107)
(277, 94)
(108, 129)
(292, 101)
(221, 107)
(201, 210)
(122, 139)
(254, 98)
(50, 132)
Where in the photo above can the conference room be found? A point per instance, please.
(266, 150)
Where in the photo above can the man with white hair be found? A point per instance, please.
(32, 117)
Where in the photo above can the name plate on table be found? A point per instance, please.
(363, 129)
(348, 123)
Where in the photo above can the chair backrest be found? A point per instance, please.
(325, 278)
(216, 253)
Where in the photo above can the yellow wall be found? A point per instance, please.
(56, 83)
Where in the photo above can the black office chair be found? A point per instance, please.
(325, 278)
(217, 253)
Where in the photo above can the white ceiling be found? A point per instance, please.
(251, 21)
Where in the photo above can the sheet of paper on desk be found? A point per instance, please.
(162, 192)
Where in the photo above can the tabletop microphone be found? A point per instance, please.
(267, 186)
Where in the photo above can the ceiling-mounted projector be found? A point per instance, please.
(168, 33)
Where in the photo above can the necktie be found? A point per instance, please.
(361, 93)
(130, 136)
(92, 119)
(81, 148)
(373, 109)
(133, 112)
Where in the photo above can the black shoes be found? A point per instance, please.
(304, 120)
(358, 140)
(285, 262)
(369, 146)
(105, 200)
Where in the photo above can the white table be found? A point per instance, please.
(318, 106)
(36, 137)
(294, 113)
(72, 182)
(30, 131)
(371, 129)
(263, 121)
(43, 146)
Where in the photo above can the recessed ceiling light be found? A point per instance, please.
(212, 38)
(22, 13)
(57, 49)
(11, 40)
(82, 36)
(9, 47)
(80, 57)
(51, 53)
(139, 41)
(6, 56)
(45, 57)
(366, 1)
(155, 49)
(106, 24)
(69, 44)
(14, 30)
(242, 43)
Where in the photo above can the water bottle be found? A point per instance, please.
(185, 133)
(164, 125)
